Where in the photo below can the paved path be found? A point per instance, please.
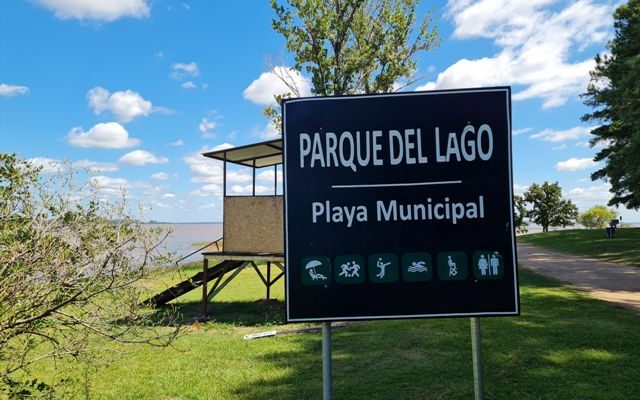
(604, 280)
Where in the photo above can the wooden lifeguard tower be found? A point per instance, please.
(253, 228)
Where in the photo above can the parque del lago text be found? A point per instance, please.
(367, 148)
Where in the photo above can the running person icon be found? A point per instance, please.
(345, 270)
(354, 269)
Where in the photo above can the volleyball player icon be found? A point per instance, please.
(382, 266)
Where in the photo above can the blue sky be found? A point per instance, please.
(134, 90)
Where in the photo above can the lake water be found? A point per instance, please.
(186, 238)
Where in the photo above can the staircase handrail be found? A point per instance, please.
(216, 242)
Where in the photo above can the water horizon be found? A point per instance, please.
(187, 237)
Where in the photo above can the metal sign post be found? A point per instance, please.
(326, 361)
(476, 351)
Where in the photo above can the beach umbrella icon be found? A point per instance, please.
(311, 265)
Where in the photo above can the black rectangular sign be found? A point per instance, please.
(399, 206)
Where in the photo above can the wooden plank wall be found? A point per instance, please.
(254, 224)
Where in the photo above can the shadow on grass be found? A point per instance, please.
(238, 313)
(564, 345)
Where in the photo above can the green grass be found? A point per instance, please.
(623, 248)
(564, 346)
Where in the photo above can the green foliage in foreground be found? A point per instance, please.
(70, 265)
(623, 248)
(564, 346)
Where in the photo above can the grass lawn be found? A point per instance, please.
(623, 248)
(564, 346)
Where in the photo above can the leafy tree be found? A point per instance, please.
(597, 217)
(614, 94)
(69, 267)
(548, 208)
(519, 214)
(352, 46)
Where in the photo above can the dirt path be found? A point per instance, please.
(604, 280)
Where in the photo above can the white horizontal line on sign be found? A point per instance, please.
(395, 184)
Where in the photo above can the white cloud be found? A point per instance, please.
(554, 136)
(125, 105)
(142, 157)
(559, 147)
(96, 167)
(203, 169)
(586, 197)
(575, 164)
(106, 181)
(169, 196)
(269, 84)
(207, 190)
(520, 188)
(108, 185)
(161, 176)
(177, 143)
(109, 135)
(48, 165)
(182, 70)
(99, 10)
(8, 90)
(267, 175)
(268, 132)
(149, 191)
(601, 144)
(206, 126)
(189, 85)
(247, 189)
(536, 46)
(211, 188)
(517, 132)
(238, 177)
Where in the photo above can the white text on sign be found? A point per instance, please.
(367, 148)
(385, 211)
